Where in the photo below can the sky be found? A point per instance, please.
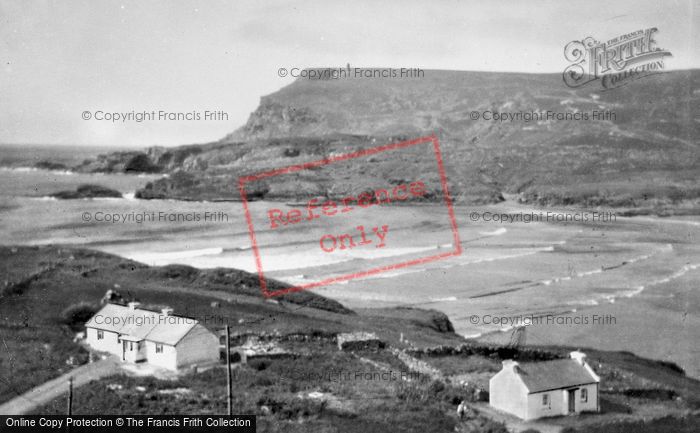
(60, 59)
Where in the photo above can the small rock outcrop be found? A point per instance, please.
(88, 191)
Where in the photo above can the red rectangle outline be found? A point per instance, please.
(364, 152)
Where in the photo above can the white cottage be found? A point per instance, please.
(159, 338)
(541, 389)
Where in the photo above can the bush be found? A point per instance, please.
(14, 289)
(259, 364)
(263, 381)
(257, 190)
(652, 394)
(490, 426)
(76, 315)
(291, 152)
(294, 387)
(301, 408)
(436, 387)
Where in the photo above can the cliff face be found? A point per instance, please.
(501, 133)
(272, 119)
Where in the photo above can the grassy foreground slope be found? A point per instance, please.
(316, 388)
(41, 285)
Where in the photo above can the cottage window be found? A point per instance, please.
(545, 399)
(100, 335)
(159, 348)
(584, 395)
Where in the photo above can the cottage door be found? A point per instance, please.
(572, 401)
(123, 350)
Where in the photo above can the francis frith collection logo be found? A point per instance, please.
(616, 62)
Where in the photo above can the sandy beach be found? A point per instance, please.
(641, 271)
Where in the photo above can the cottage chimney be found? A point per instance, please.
(134, 305)
(509, 364)
(578, 356)
(167, 311)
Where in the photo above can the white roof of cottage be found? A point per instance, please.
(556, 374)
(139, 324)
(172, 330)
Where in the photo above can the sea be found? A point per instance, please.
(565, 277)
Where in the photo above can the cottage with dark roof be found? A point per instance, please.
(541, 389)
(159, 338)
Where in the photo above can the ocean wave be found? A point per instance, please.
(52, 198)
(630, 292)
(602, 269)
(633, 292)
(295, 279)
(472, 336)
(241, 248)
(295, 261)
(496, 232)
(588, 302)
(453, 262)
(164, 258)
(528, 252)
(447, 264)
(35, 169)
(103, 198)
(679, 273)
(445, 299)
(591, 272)
(665, 220)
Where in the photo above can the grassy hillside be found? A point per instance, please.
(40, 285)
(662, 108)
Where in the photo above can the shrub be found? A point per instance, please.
(259, 364)
(76, 315)
(257, 190)
(263, 381)
(490, 426)
(297, 407)
(652, 394)
(436, 387)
